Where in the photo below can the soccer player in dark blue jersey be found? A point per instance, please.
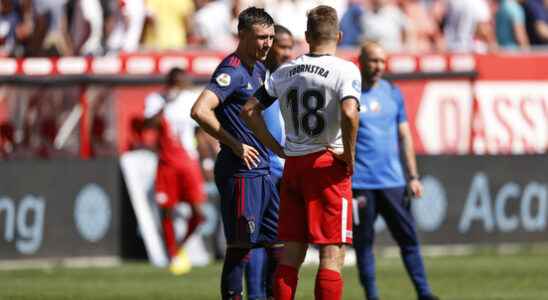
(249, 199)
(379, 183)
(281, 52)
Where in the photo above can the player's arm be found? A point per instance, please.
(203, 112)
(154, 107)
(406, 141)
(253, 118)
(349, 128)
(410, 159)
(252, 115)
(349, 92)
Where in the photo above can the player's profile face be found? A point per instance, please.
(259, 40)
(282, 49)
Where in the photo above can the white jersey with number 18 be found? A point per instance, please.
(310, 90)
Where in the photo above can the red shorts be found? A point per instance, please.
(176, 183)
(315, 200)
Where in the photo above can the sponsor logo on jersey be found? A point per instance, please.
(357, 86)
(223, 80)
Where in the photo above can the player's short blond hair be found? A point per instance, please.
(322, 23)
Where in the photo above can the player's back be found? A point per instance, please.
(310, 89)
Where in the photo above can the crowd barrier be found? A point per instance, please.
(63, 209)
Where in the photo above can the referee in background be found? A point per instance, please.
(379, 184)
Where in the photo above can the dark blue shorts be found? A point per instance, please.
(249, 208)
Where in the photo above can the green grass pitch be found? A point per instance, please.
(484, 276)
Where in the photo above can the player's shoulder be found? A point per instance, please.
(229, 71)
(344, 65)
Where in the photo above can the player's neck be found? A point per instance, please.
(323, 49)
(247, 61)
(368, 83)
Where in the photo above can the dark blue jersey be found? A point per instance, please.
(233, 83)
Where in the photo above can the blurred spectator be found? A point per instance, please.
(536, 21)
(425, 35)
(292, 15)
(168, 23)
(212, 24)
(7, 141)
(127, 26)
(25, 27)
(8, 25)
(510, 25)
(350, 24)
(86, 26)
(384, 23)
(468, 26)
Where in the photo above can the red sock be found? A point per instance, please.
(169, 235)
(285, 282)
(193, 223)
(329, 285)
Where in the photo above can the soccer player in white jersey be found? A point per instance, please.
(318, 96)
(178, 177)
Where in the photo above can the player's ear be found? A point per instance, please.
(339, 37)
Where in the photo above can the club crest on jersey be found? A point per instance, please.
(223, 80)
(249, 86)
(375, 106)
(356, 85)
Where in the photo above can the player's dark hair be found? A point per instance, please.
(171, 77)
(253, 16)
(322, 23)
(279, 29)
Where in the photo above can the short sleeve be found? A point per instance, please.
(350, 84)
(270, 84)
(483, 14)
(154, 103)
(225, 81)
(398, 97)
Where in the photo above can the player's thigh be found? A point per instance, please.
(167, 188)
(292, 224)
(191, 183)
(329, 203)
(398, 216)
(266, 212)
(231, 191)
(364, 217)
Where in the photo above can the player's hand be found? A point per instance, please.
(416, 187)
(347, 159)
(249, 155)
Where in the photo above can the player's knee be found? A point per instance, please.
(332, 257)
(294, 254)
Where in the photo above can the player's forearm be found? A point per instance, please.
(409, 156)
(349, 128)
(210, 124)
(251, 114)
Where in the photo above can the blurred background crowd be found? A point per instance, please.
(98, 27)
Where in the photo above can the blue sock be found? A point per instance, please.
(255, 274)
(412, 260)
(233, 268)
(366, 268)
